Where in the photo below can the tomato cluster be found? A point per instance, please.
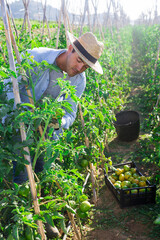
(127, 177)
(84, 207)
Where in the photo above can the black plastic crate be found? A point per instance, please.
(126, 197)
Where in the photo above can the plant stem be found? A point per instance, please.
(40, 141)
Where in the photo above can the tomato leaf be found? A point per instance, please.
(49, 219)
(63, 226)
(70, 209)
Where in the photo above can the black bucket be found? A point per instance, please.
(127, 125)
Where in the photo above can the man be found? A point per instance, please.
(81, 54)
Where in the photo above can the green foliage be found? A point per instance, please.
(62, 38)
(157, 221)
(59, 185)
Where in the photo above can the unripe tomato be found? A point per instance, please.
(85, 206)
(81, 214)
(83, 197)
(24, 191)
(84, 163)
(28, 233)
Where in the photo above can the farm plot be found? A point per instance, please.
(128, 82)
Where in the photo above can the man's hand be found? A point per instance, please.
(54, 124)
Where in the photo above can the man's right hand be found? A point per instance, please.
(54, 124)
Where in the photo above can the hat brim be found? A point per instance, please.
(95, 66)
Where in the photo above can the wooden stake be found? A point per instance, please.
(67, 17)
(71, 218)
(70, 215)
(96, 19)
(22, 127)
(10, 12)
(23, 72)
(84, 185)
(65, 21)
(63, 12)
(90, 163)
(26, 16)
(45, 20)
(86, 9)
(59, 25)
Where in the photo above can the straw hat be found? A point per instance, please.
(88, 48)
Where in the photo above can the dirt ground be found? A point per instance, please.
(109, 220)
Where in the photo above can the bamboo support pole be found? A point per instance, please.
(59, 25)
(63, 12)
(96, 19)
(67, 17)
(49, 34)
(84, 185)
(106, 142)
(90, 163)
(45, 20)
(71, 218)
(26, 16)
(22, 127)
(102, 102)
(86, 9)
(11, 16)
(70, 215)
(157, 102)
(65, 21)
(23, 73)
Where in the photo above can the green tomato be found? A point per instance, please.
(28, 233)
(85, 206)
(80, 168)
(84, 163)
(81, 214)
(126, 168)
(83, 197)
(24, 191)
(134, 185)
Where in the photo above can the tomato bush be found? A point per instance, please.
(60, 184)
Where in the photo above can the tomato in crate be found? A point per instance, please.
(129, 186)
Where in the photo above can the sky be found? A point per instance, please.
(133, 8)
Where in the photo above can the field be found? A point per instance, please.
(130, 81)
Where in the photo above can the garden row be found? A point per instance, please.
(60, 186)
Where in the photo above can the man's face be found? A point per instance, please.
(74, 64)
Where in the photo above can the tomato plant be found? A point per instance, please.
(65, 160)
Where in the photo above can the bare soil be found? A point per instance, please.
(111, 222)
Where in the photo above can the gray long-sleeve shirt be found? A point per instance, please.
(79, 81)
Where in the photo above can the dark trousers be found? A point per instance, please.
(22, 176)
